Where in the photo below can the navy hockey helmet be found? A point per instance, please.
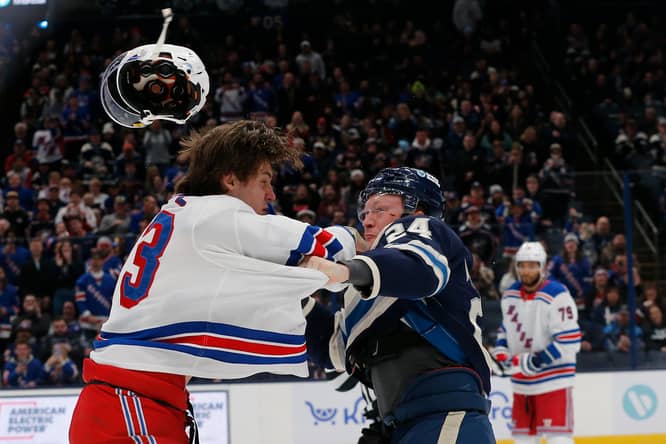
(417, 188)
(154, 82)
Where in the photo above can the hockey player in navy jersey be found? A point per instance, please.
(537, 343)
(409, 324)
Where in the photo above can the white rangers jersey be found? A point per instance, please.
(205, 292)
(543, 323)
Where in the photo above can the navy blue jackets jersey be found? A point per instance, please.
(420, 267)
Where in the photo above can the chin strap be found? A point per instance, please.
(167, 13)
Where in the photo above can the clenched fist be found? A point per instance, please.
(337, 273)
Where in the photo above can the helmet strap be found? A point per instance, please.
(167, 13)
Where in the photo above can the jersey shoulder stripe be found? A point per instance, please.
(553, 288)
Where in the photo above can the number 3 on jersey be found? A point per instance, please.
(136, 281)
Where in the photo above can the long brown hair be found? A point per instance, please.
(239, 147)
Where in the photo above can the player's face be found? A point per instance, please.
(529, 273)
(257, 191)
(380, 210)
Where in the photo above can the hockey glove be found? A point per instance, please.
(526, 363)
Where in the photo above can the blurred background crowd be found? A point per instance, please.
(361, 87)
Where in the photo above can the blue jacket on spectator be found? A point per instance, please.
(9, 300)
(12, 262)
(26, 197)
(33, 375)
(576, 276)
(517, 232)
(67, 374)
(94, 293)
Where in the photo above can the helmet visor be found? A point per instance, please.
(112, 99)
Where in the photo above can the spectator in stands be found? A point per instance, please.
(42, 224)
(496, 198)
(477, 236)
(130, 154)
(497, 168)
(651, 297)
(351, 192)
(630, 142)
(98, 196)
(24, 173)
(59, 369)
(68, 268)
(465, 165)
(655, 329)
(518, 228)
(96, 157)
(307, 216)
(602, 234)
(65, 189)
(110, 262)
(148, 210)
(573, 269)
(156, 144)
(53, 196)
(118, 222)
(483, 278)
(312, 58)
(60, 334)
(330, 202)
(16, 215)
(23, 370)
(494, 133)
(606, 311)
(77, 208)
(25, 194)
(19, 151)
(533, 189)
(557, 184)
(596, 294)
(76, 120)
(476, 195)
(620, 276)
(9, 307)
(616, 247)
(32, 318)
(75, 230)
(230, 97)
(109, 136)
(71, 316)
(94, 292)
(12, 258)
(403, 125)
(423, 155)
(557, 132)
(618, 336)
(38, 273)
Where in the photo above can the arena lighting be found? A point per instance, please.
(4, 3)
(43, 24)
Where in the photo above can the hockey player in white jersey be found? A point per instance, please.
(537, 343)
(208, 291)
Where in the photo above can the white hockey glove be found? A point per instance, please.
(525, 364)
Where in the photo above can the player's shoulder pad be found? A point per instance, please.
(554, 288)
(516, 285)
